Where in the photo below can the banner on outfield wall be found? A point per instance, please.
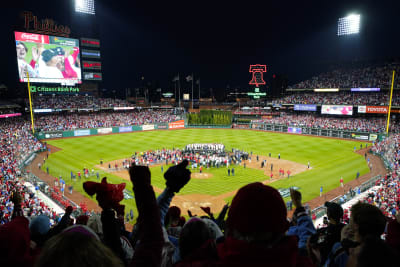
(148, 127)
(162, 126)
(373, 109)
(53, 135)
(373, 137)
(176, 125)
(294, 130)
(125, 129)
(104, 130)
(81, 132)
(360, 136)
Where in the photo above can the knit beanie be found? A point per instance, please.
(257, 208)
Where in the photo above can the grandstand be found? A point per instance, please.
(308, 176)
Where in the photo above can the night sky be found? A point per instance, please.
(216, 40)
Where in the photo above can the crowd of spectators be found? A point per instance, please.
(367, 76)
(249, 236)
(103, 119)
(387, 194)
(341, 98)
(76, 101)
(16, 143)
(373, 125)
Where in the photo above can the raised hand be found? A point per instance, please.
(177, 176)
(140, 175)
(296, 197)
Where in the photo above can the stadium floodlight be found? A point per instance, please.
(85, 6)
(349, 25)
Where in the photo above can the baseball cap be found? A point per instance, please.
(49, 53)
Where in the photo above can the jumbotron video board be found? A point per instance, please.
(48, 59)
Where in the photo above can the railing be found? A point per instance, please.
(321, 210)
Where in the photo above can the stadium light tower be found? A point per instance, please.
(85, 6)
(349, 25)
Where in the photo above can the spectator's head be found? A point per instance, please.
(173, 216)
(195, 235)
(334, 212)
(367, 220)
(77, 246)
(257, 213)
(39, 226)
(82, 219)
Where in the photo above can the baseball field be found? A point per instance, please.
(330, 159)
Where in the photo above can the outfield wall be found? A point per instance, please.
(108, 130)
(363, 136)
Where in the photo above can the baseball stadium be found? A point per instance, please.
(171, 164)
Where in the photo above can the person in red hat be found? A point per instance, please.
(255, 231)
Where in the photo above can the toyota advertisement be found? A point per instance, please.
(373, 109)
(337, 110)
(47, 59)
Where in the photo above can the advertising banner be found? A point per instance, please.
(301, 107)
(89, 42)
(92, 76)
(10, 115)
(294, 130)
(176, 125)
(148, 127)
(42, 110)
(365, 89)
(87, 53)
(104, 130)
(377, 109)
(362, 109)
(162, 126)
(124, 108)
(82, 132)
(43, 89)
(91, 65)
(53, 135)
(360, 136)
(337, 110)
(125, 129)
(373, 137)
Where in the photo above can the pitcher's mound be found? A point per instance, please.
(197, 175)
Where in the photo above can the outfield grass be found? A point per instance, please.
(329, 158)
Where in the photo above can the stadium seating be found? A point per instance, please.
(363, 75)
(102, 119)
(371, 124)
(341, 98)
